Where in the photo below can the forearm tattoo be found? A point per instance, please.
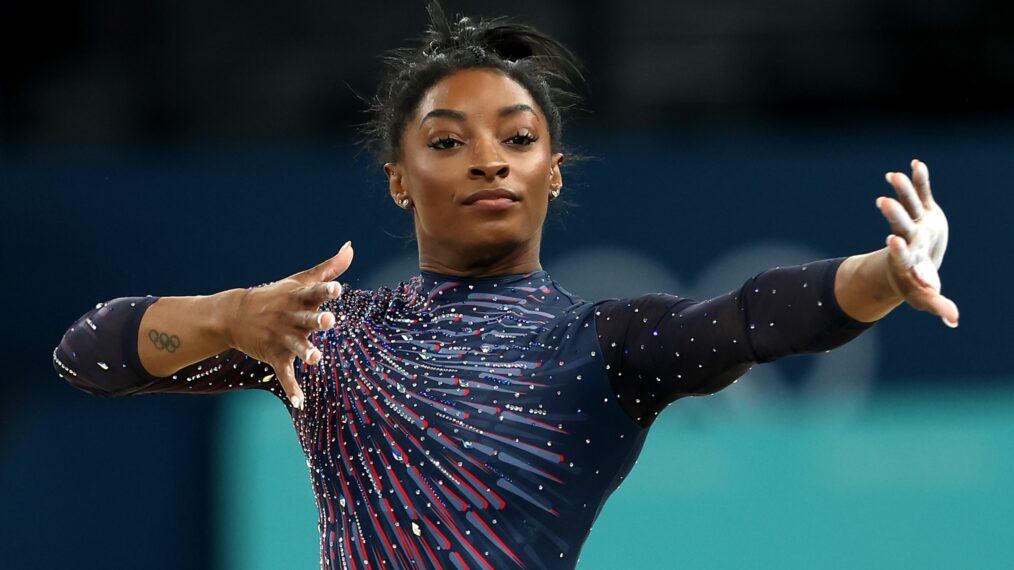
(164, 341)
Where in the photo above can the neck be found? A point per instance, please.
(508, 259)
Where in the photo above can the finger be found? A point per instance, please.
(947, 310)
(287, 378)
(329, 269)
(898, 249)
(906, 194)
(901, 223)
(920, 176)
(302, 349)
(320, 293)
(925, 274)
(942, 307)
(313, 320)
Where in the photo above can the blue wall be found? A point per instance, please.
(88, 480)
(914, 481)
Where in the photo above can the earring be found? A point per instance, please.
(555, 193)
(404, 202)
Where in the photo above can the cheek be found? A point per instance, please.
(536, 174)
(431, 183)
(538, 166)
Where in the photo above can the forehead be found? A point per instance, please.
(476, 92)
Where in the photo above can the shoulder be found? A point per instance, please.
(649, 304)
(617, 318)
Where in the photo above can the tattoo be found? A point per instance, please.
(164, 341)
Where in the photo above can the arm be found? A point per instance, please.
(678, 347)
(136, 345)
(660, 347)
(213, 343)
(178, 331)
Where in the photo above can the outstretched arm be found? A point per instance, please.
(659, 348)
(137, 345)
(235, 339)
(662, 347)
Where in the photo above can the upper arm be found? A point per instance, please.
(662, 347)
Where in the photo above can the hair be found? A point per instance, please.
(546, 68)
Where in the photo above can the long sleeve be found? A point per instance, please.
(98, 354)
(661, 347)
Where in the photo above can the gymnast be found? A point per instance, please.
(478, 414)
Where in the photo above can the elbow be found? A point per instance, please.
(722, 380)
(93, 354)
(76, 379)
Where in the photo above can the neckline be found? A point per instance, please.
(498, 279)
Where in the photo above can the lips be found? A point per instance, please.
(491, 194)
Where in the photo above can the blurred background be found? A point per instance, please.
(186, 147)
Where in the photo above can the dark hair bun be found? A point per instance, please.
(541, 64)
(509, 41)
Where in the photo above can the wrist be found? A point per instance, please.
(880, 272)
(864, 288)
(224, 309)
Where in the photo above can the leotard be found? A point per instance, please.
(483, 422)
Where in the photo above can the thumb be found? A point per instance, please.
(329, 269)
(946, 309)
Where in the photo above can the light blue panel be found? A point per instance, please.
(267, 514)
(926, 483)
(908, 483)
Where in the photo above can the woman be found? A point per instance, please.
(478, 414)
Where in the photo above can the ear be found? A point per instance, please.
(394, 182)
(556, 177)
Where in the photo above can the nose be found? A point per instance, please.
(489, 170)
(488, 164)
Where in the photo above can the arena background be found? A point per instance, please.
(178, 148)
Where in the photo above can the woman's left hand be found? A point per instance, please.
(916, 246)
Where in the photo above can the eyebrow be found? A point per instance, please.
(520, 107)
(460, 116)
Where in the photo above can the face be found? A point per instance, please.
(477, 167)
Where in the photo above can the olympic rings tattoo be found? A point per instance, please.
(164, 341)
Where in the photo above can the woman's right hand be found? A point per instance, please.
(272, 322)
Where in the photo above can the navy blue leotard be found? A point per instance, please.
(482, 422)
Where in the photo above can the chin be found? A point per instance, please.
(494, 234)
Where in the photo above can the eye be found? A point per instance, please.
(522, 138)
(444, 143)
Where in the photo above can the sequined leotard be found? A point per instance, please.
(482, 422)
